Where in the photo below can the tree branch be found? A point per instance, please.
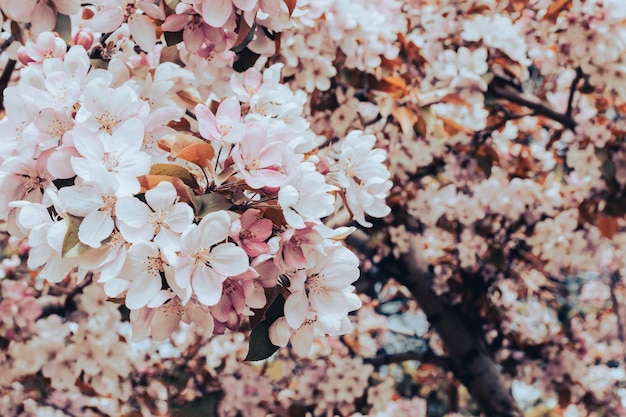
(469, 357)
(572, 91)
(620, 326)
(5, 78)
(425, 357)
(501, 89)
(472, 363)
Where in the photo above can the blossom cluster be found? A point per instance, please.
(184, 225)
(203, 162)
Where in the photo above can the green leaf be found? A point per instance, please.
(485, 163)
(71, 236)
(64, 27)
(209, 203)
(176, 171)
(246, 59)
(259, 314)
(98, 63)
(608, 169)
(204, 406)
(246, 33)
(260, 345)
(173, 38)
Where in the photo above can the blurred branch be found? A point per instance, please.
(469, 357)
(502, 89)
(426, 357)
(620, 326)
(572, 91)
(61, 308)
(5, 78)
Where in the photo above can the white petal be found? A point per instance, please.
(95, 227)
(162, 197)
(142, 290)
(207, 285)
(132, 212)
(142, 31)
(229, 259)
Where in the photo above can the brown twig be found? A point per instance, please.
(425, 357)
(620, 325)
(5, 78)
(572, 91)
(505, 91)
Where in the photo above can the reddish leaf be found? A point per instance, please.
(197, 153)
(607, 225)
(291, 5)
(148, 182)
(173, 170)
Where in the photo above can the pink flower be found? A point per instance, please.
(294, 254)
(216, 12)
(230, 306)
(251, 232)
(195, 30)
(260, 159)
(326, 287)
(225, 125)
(112, 13)
(23, 179)
(48, 45)
(204, 263)
(247, 84)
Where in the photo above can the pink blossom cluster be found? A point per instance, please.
(97, 180)
(83, 359)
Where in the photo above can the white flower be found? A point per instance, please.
(306, 197)
(204, 263)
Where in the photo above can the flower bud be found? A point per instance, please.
(22, 56)
(84, 38)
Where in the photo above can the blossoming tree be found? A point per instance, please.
(193, 171)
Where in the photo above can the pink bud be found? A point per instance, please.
(84, 38)
(23, 56)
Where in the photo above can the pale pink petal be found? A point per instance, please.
(107, 20)
(142, 290)
(302, 339)
(216, 12)
(207, 285)
(175, 22)
(228, 113)
(214, 228)
(43, 18)
(296, 309)
(142, 31)
(206, 122)
(59, 164)
(229, 259)
(280, 332)
(199, 317)
(332, 303)
(166, 321)
(193, 37)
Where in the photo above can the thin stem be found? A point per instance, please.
(507, 92)
(620, 325)
(572, 91)
(425, 357)
(5, 78)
